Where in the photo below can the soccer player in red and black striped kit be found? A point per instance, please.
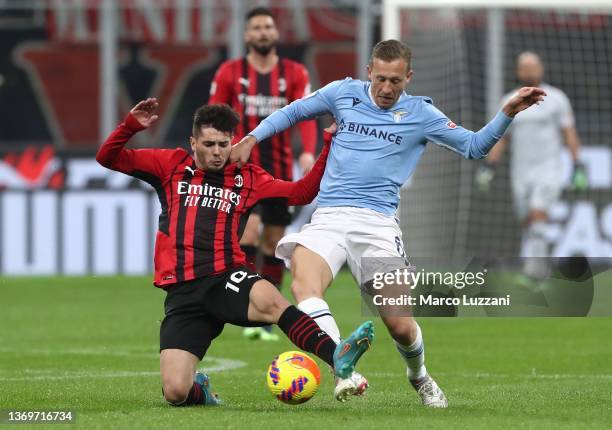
(255, 86)
(198, 260)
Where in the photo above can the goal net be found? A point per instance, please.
(464, 56)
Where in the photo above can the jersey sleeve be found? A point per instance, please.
(566, 113)
(308, 129)
(298, 193)
(113, 155)
(318, 103)
(439, 129)
(221, 86)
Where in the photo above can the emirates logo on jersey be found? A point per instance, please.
(207, 195)
(238, 181)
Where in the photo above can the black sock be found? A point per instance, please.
(195, 397)
(304, 332)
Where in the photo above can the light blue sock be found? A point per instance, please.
(414, 356)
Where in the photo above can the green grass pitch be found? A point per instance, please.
(90, 344)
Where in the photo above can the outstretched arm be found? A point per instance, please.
(300, 192)
(439, 129)
(113, 155)
(317, 103)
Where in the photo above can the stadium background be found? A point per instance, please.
(89, 342)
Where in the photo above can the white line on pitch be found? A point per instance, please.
(216, 365)
(121, 352)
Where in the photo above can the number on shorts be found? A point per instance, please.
(400, 247)
(230, 286)
(236, 277)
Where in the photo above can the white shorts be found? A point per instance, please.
(538, 189)
(347, 234)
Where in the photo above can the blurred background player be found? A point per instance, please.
(256, 86)
(537, 136)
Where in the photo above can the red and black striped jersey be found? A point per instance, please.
(255, 96)
(200, 210)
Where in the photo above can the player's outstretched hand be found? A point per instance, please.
(522, 99)
(242, 150)
(144, 112)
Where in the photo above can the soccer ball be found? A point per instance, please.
(293, 377)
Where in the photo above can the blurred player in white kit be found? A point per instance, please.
(536, 138)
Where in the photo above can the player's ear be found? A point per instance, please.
(192, 143)
(409, 76)
(369, 68)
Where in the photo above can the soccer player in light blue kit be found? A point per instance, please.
(382, 133)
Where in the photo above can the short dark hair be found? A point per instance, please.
(390, 50)
(258, 11)
(218, 116)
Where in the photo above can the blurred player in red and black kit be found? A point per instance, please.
(198, 260)
(256, 86)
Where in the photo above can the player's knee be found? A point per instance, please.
(272, 310)
(278, 305)
(269, 302)
(176, 392)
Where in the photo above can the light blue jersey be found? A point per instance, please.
(376, 150)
